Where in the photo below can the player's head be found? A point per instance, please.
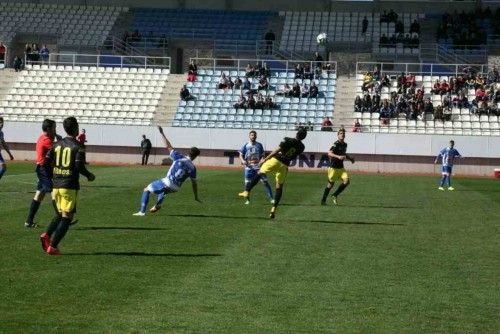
(70, 125)
(341, 134)
(301, 133)
(252, 135)
(1, 123)
(194, 152)
(83, 130)
(49, 127)
(143, 136)
(452, 143)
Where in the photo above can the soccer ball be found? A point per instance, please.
(322, 38)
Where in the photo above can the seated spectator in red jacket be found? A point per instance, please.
(357, 126)
(436, 88)
(192, 71)
(410, 80)
(480, 93)
(326, 125)
(444, 87)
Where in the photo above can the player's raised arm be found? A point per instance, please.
(194, 183)
(350, 158)
(168, 144)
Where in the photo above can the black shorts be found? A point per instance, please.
(44, 180)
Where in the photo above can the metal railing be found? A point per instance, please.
(420, 68)
(99, 60)
(148, 43)
(274, 65)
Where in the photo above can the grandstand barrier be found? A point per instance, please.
(378, 153)
(103, 60)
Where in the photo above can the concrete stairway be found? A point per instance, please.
(169, 99)
(344, 102)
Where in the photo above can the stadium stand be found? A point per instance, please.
(73, 25)
(213, 107)
(98, 95)
(200, 24)
(301, 28)
(451, 113)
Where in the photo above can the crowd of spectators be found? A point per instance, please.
(410, 100)
(35, 54)
(257, 101)
(464, 29)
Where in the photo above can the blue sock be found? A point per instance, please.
(2, 171)
(160, 199)
(449, 181)
(144, 201)
(269, 191)
(443, 180)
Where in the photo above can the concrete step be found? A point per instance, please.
(167, 107)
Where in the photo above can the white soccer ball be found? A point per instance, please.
(322, 38)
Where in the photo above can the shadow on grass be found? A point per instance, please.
(140, 254)
(96, 228)
(356, 206)
(190, 215)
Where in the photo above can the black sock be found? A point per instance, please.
(53, 225)
(60, 232)
(33, 210)
(325, 194)
(54, 205)
(277, 196)
(340, 189)
(253, 182)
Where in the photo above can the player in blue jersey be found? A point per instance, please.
(182, 168)
(3, 165)
(251, 156)
(447, 156)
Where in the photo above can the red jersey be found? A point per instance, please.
(82, 138)
(43, 145)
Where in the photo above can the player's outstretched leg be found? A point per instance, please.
(328, 187)
(450, 188)
(277, 199)
(144, 203)
(59, 234)
(249, 186)
(340, 189)
(159, 201)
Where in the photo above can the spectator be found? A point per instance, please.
(480, 94)
(238, 83)
(367, 103)
(230, 83)
(415, 27)
(295, 90)
(82, 137)
(493, 76)
(249, 71)
(385, 112)
(259, 102)
(410, 80)
(384, 41)
(263, 84)
(428, 106)
(357, 126)
(399, 27)
(35, 53)
(145, 150)
(269, 37)
(310, 126)
(392, 16)
(305, 90)
(185, 94)
(44, 53)
(376, 101)
(18, 64)
(136, 36)
(268, 103)
(307, 72)
(3, 50)
(364, 26)
(285, 91)
(326, 125)
(313, 91)
(265, 71)
(241, 103)
(299, 72)
(247, 85)
(251, 102)
(358, 104)
(27, 53)
(192, 71)
(438, 113)
(368, 82)
(436, 88)
(223, 82)
(318, 59)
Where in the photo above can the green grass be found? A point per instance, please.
(396, 256)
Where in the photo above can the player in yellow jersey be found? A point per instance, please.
(336, 171)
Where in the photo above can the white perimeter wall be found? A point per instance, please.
(395, 153)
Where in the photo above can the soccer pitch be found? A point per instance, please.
(396, 256)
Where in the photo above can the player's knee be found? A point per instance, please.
(346, 182)
(39, 196)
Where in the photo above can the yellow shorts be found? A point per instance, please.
(337, 174)
(275, 166)
(65, 199)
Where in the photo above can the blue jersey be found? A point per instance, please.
(447, 156)
(252, 152)
(181, 169)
